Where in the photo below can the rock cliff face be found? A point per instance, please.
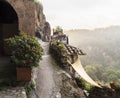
(69, 88)
(31, 18)
(42, 27)
(40, 18)
(105, 92)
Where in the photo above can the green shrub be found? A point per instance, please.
(58, 29)
(25, 50)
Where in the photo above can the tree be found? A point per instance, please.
(58, 29)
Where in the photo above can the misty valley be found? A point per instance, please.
(103, 52)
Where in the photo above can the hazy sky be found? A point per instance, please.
(73, 14)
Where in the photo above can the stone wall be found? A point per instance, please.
(25, 10)
(31, 17)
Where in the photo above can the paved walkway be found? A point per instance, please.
(50, 80)
(17, 92)
(46, 86)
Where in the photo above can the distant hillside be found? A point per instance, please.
(103, 51)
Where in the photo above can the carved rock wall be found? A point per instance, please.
(31, 18)
(25, 10)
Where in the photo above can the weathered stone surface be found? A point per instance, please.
(17, 92)
(69, 88)
(42, 28)
(30, 17)
(46, 32)
(40, 18)
(104, 92)
(25, 10)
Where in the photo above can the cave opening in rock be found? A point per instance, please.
(8, 22)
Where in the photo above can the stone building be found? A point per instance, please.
(20, 15)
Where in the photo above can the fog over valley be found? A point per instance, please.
(102, 48)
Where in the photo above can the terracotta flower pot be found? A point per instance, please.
(23, 73)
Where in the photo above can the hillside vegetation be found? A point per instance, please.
(103, 52)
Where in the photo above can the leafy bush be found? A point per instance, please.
(29, 88)
(25, 50)
(58, 51)
(58, 29)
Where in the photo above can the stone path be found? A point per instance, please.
(52, 81)
(45, 81)
(16, 92)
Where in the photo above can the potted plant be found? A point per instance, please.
(25, 54)
(58, 30)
